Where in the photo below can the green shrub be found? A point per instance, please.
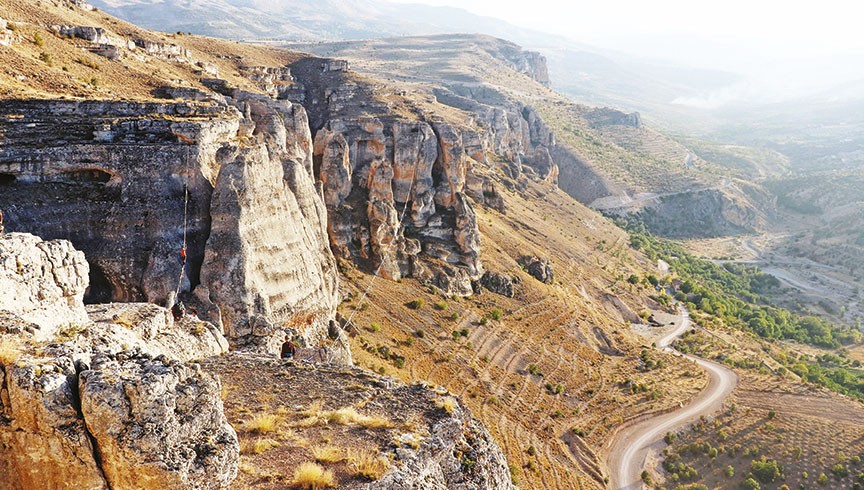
(416, 304)
(749, 484)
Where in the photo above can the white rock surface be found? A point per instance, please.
(42, 282)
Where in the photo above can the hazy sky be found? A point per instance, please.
(790, 41)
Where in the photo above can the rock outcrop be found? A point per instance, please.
(132, 184)
(157, 424)
(42, 282)
(396, 189)
(540, 269)
(79, 409)
(498, 283)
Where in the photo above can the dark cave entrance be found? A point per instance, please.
(101, 290)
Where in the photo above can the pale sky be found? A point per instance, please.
(763, 38)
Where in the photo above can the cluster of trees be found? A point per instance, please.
(734, 293)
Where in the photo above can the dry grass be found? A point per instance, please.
(312, 476)
(447, 404)
(314, 415)
(258, 446)
(10, 350)
(328, 454)
(264, 423)
(369, 464)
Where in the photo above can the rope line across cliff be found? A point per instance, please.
(389, 247)
(183, 254)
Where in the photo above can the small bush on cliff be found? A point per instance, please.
(448, 404)
(311, 476)
(416, 304)
(10, 350)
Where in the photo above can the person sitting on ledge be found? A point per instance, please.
(289, 350)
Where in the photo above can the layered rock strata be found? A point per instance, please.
(136, 186)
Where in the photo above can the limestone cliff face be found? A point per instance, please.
(373, 175)
(113, 178)
(376, 164)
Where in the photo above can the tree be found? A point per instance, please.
(765, 470)
(749, 484)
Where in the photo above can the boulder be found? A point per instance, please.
(43, 440)
(42, 282)
(540, 269)
(498, 283)
(158, 424)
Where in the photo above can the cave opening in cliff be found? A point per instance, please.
(101, 289)
(88, 175)
(7, 179)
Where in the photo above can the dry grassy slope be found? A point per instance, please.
(573, 331)
(71, 68)
(640, 159)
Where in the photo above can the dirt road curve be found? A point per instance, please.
(627, 456)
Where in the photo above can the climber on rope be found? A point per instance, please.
(178, 310)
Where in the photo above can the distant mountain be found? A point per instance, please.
(589, 74)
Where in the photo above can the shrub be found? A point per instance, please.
(416, 304)
(496, 314)
(729, 472)
(37, 40)
(45, 58)
(646, 478)
(749, 484)
(10, 350)
(441, 305)
(448, 404)
(514, 474)
(765, 470)
(420, 334)
(823, 479)
(262, 445)
(374, 327)
(772, 414)
(532, 451)
(311, 476)
(349, 416)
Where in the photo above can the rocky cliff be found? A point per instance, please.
(400, 181)
(215, 200)
(104, 400)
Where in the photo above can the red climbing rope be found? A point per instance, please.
(185, 225)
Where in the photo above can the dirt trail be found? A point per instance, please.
(632, 443)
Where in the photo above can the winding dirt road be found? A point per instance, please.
(628, 452)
